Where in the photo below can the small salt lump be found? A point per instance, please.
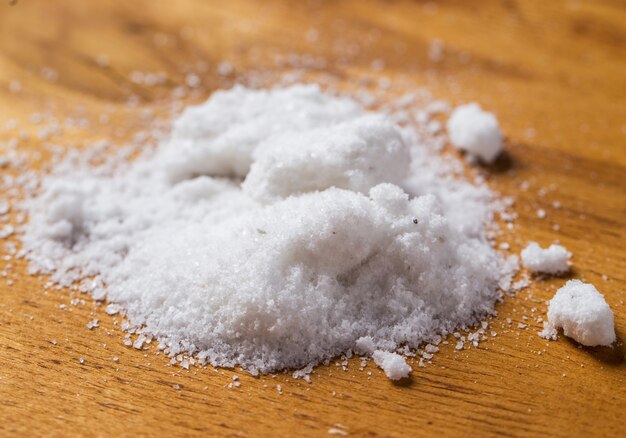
(475, 131)
(552, 260)
(583, 314)
(393, 364)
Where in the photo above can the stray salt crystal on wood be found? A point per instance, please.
(583, 314)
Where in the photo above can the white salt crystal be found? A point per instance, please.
(475, 131)
(583, 314)
(112, 309)
(552, 260)
(431, 348)
(394, 365)
(138, 344)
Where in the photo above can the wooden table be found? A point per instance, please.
(554, 73)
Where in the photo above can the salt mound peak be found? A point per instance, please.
(218, 137)
(355, 155)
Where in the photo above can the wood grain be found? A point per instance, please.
(554, 73)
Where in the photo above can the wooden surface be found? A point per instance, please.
(554, 73)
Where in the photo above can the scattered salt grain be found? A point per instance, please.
(393, 364)
(337, 431)
(583, 314)
(112, 309)
(138, 344)
(552, 260)
(431, 348)
(475, 131)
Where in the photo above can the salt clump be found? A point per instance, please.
(552, 260)
(583, 314)
(475, 131)
(394, 365)
(364, 239)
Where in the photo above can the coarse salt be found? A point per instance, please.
(583, 314)
(552, 260)
(475, 131)
(347, 234)
(393, 364)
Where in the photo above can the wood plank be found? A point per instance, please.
(554, 73)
